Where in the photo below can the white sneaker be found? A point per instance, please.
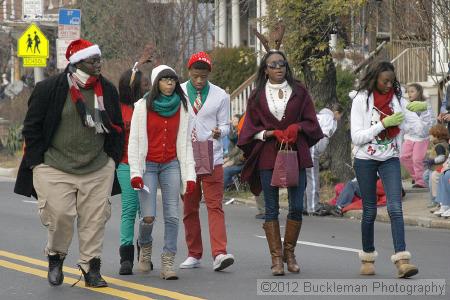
(441, 210)
(223, 261)
(190, 263)
(446, 213)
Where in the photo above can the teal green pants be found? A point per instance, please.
(130, 205)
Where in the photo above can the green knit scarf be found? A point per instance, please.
(167, 106)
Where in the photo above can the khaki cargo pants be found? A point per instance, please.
(62, 197)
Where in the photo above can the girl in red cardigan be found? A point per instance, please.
(160, 152)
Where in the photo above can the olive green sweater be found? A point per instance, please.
(76, 149)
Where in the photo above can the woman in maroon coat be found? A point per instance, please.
(279, 110)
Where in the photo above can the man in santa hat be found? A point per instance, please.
(73, 135)
(209, 107)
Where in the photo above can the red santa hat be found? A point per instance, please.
(200, 56)
(81, 49)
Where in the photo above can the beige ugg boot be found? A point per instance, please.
(401, 261)
(167, 271)
(367, 262)
(145, 258)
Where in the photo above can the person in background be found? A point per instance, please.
(416, 139)
(209, 107)
(377, 120)
(234, 160)
(74, 139)
(259, 199)
(328, 118)
(232, 166)
(233, 135)
(350, 189)
(436, 156)
(133, 84)
(3, 85)
(443, 190)
(444, 113)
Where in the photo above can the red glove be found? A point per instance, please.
(292, 133)
(190, 188)
(280, 135)
(137, 183)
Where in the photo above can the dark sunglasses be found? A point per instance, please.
(277, 64)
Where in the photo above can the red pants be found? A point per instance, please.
(213, 193)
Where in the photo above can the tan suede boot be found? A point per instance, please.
(272, 229)
(145, 258)
(290, 241)
(401, 261)
(167, 271)
(367, 262)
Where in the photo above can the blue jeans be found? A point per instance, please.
(228, 173)
(351, 189)
(428, 181)
(443, 194)
(271, 196)
(169, 177)
(366, 174)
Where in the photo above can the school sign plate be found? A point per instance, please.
(33, 46)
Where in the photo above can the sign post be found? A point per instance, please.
(69, 28)
(33, 47)
(32, 10)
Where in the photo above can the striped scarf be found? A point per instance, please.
(101, 121)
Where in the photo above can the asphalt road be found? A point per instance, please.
(327, 250)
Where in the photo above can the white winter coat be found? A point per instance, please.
(363, 132)
(419, 125)
(138, 144)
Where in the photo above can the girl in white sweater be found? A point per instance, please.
(377, 118)
(160, 152)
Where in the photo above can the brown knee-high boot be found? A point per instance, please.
(290, 241)
(272, 229)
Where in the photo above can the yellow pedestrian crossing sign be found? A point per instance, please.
(33, 47)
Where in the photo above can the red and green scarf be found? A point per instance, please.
(100, 121)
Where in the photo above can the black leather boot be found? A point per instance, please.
(55, 274)
(126, 259)
(93, 277)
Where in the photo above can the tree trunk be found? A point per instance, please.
(323, 93)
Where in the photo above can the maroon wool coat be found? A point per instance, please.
(261, 155)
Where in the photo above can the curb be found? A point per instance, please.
(408, 219)
(382, 216)
(10, 172)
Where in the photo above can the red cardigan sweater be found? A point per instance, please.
(162, 137)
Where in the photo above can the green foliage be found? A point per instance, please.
(308, 26)
(345, 80)
(13, 140)
(232, 66)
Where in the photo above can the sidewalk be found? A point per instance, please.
(415, 211)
